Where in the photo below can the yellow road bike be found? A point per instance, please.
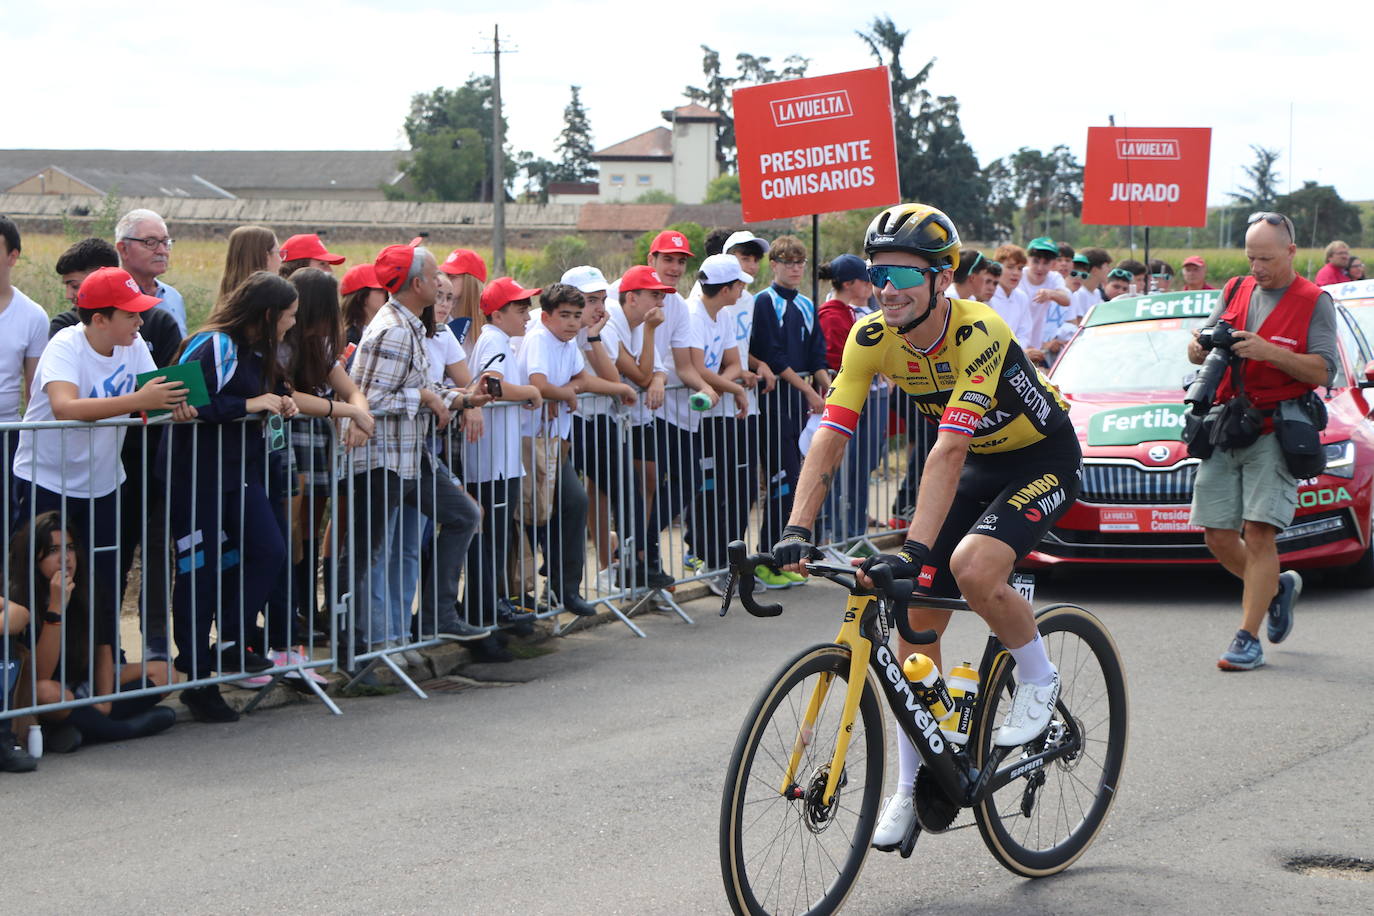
(806, 776)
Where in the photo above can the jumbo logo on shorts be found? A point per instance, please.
(1037, 487)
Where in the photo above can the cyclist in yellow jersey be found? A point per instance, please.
(1006, 462)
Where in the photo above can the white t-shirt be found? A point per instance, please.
(616, 332)
(742, 314)
(1038, 310)
(496, 456)
(444, 350)
(23, 335)
(79, 462)
(718, 337)
(676, 331)
(558, 361)
(1015, 311)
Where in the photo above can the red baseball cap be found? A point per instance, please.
(392, 265)
(671, 240)
(360, 276)
(643, 277)
(308, 246)
(1194, 259)
(502, 292)
(112, 287)
(463, 261)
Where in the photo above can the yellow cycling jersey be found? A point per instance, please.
(976, 380)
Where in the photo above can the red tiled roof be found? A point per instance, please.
(573, 187)
(623, 217)
(656, 143)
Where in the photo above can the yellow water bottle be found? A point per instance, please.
(963, 690)
(929, 686)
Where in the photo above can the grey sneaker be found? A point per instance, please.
(1281, 608)
(459, 630)
(1244, 654)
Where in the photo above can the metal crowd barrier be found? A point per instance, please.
(178, 519)
(633, 504)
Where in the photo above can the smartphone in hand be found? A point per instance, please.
(493, 386)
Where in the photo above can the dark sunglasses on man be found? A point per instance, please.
(1273, 219)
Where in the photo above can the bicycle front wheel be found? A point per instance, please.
(1039, 823)
(783, 850)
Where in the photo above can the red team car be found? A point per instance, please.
(1122, 375)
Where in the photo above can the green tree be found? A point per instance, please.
(574, 147)
(656, 196)
(467, 108)
(1319, 215)
(723, 189)
(751, 70)
(1262, 191)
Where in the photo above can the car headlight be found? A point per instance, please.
(1340, 458)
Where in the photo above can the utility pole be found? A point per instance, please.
(498, 161)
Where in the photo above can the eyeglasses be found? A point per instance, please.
(1080, 274)
(801, 263)
(1120, 273)
(899, 277)
(1162, 276)
(150, 243)
(1273, 219)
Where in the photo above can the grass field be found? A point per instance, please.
(197, 264)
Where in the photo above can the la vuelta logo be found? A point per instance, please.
(1147, 149)
(806, 109)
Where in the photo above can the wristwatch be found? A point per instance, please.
(51, 617)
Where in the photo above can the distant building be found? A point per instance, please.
(222, 174)
(680, 160)
(572, 192)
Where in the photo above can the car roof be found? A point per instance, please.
(1190, 304)
(1351, 289)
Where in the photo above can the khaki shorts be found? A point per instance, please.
(1249, 484)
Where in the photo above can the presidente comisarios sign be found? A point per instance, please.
(816, 145)
(1146, 176)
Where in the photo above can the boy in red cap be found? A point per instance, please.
(89, 372)
(301, 251)
(492, 466)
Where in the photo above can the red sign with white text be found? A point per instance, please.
(816, 145)
(1146, 176)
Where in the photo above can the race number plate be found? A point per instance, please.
(1025, 584)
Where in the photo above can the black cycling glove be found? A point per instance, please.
(905, 563)
(795, 547)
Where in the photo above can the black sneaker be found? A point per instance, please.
(14, 759)
(490, 651)
(207, 705)
(576, 604)
(508, 617)
(1281, 608)
(657, 578)
(232, 662)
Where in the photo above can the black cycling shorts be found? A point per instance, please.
(1012, 496)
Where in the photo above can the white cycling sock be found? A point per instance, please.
(907, 762)
(1032, 664)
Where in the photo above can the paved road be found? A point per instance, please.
(593, 785)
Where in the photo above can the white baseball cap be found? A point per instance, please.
(723, 268)
(745, 237)
(587, 279)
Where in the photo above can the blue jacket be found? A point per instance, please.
(792, 340)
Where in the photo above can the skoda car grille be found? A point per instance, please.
(1126, 482)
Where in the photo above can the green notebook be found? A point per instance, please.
(189, 374)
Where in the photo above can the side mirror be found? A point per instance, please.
(1368, 376)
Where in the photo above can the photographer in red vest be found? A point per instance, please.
(1285, 337)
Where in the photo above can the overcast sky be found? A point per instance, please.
(288, 75)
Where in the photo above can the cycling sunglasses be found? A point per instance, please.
(276, 432)
(1273, 219)
(1121, 273)
(899, 277)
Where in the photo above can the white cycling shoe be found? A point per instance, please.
(897, 820)
(1032, 707)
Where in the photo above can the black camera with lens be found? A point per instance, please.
(1217, 341)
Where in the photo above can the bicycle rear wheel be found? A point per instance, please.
(1038, 824)
(786, 852)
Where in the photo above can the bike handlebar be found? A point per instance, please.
(897, 590)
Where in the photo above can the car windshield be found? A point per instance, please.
(1131, 356)
(1362, 310)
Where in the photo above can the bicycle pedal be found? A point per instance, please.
(909, 841)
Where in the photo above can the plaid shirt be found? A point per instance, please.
(391, 367)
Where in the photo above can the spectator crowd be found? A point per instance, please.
(454, 428)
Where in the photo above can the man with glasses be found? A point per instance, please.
(1337, 261)
(1245, 494)
(1005, 464)
(145, 251)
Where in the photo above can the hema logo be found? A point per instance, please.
(1147, 149)
(806, 109)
